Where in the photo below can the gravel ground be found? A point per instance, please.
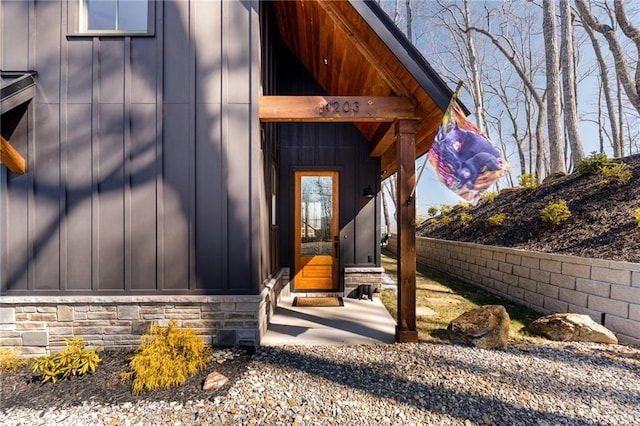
(528, 384)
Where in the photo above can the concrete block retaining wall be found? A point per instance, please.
(607, 291)
(38, 325)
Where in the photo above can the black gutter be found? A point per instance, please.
(406, 52)
(21, 80)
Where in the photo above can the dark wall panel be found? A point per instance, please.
(208, 26)
(141, 208)
(144, 73)
(109, 163)
(15, 27)
(211, 253)
(177, 48)
(48, 52)
(79, 71)
(46, 194)
(237, 56)
(111, 61)
(16, 203)
(175, 191)
(79, 189)
(238, 172)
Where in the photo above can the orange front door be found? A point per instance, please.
(316, 231)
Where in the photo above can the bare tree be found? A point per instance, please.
(554, 131)
(616, 141)
(409, 19)
(509, 52)
(570, 104)
(461, 18)
(624, 70)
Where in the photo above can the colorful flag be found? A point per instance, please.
(464, 159)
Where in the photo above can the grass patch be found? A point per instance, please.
(441, 298)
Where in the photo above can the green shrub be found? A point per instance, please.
(10, 359)
(555, 213)
(465, 218)
(593, 164)
(74, 360)
(489, 196)
(166, 357)
(528, 181)
(637, 212)
(496, 219)
(433, 211)
(616, 173)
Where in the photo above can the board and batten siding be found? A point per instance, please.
(143, 153)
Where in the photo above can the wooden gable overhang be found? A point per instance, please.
(374, 77)
(16, 89)
(353, 49)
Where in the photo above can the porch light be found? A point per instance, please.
(368, 192)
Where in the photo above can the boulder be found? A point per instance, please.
(572, 328)
(485, 327)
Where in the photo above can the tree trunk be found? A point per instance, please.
(385, 211)
(630, 84)
(409, 20)
(568, 83)
(616, 141)
(556, 148)
(478, 98)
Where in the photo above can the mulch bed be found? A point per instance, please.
(602, 223)
(21, 389)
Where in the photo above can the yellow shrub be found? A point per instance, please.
(489, 196)
(73, 360)
(555, 213)
(166, 357)
(616, 173)
(637, 212)
(496, 219)
(465, 218)
(10, 360)
(528, 181)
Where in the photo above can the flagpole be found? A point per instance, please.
(458, 87)
(413, 192)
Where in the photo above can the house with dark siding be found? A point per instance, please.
(189, 160)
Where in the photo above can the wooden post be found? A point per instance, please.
(406, 140)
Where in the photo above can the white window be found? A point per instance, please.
(116, 17)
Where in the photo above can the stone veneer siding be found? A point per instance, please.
(38, 325)
(548, 283)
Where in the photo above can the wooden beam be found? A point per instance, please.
(11, 158)
(406, 208)
(382, 140)
(334, 108)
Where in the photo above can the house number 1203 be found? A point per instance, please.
(338, 107)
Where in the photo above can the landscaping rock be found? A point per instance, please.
(572, 328)
(485, 327)
(214, 381)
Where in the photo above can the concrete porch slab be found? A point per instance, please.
(358, 322)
